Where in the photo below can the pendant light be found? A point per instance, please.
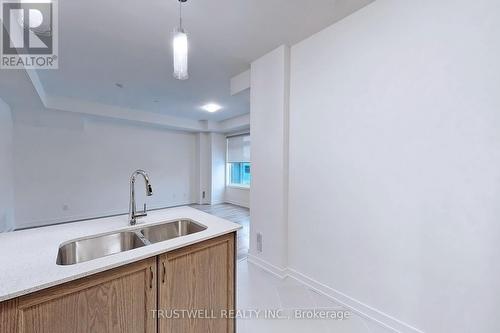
(180, 45)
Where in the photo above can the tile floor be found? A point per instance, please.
(259, 290)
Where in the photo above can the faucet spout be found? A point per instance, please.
(133, 214)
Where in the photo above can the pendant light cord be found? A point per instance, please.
(180, 15)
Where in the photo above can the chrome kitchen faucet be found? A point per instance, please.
(133, 214)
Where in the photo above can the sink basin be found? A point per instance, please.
(100, 246)
(166, 231)
(97, 247)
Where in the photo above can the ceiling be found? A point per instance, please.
(102, 43)
(18, 91)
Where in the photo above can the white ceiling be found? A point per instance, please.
(103, 42)
(18, 91)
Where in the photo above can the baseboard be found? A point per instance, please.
(236, 203)
(276, 271)
(354, 305)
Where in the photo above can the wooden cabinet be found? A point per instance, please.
(129, 298)
(119, 300)
(196, 288)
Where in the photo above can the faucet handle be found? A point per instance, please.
(144, 213)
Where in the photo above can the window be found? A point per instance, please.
(238, 161)
(239, 174)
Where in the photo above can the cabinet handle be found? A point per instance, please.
(151, 278)
(164, 272)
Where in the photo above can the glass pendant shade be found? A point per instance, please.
(180, 45)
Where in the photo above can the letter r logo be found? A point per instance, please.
(28, 27)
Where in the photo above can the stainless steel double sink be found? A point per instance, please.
(95, 247)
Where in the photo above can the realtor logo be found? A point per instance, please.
(29, 34)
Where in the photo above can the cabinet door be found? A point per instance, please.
(201, 279)
(119, 300)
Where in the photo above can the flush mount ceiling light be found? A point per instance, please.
(180, 45)
(211, 107)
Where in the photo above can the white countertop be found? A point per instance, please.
(28, 257)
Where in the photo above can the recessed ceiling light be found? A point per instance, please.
(211, 107)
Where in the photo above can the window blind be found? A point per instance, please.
(238, 149)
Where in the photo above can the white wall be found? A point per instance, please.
(6, 169)
(218, 170)
(70, 167)
(210, 168)
(268, 123)
(204, 168)
(238, 196)
(395, 161)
